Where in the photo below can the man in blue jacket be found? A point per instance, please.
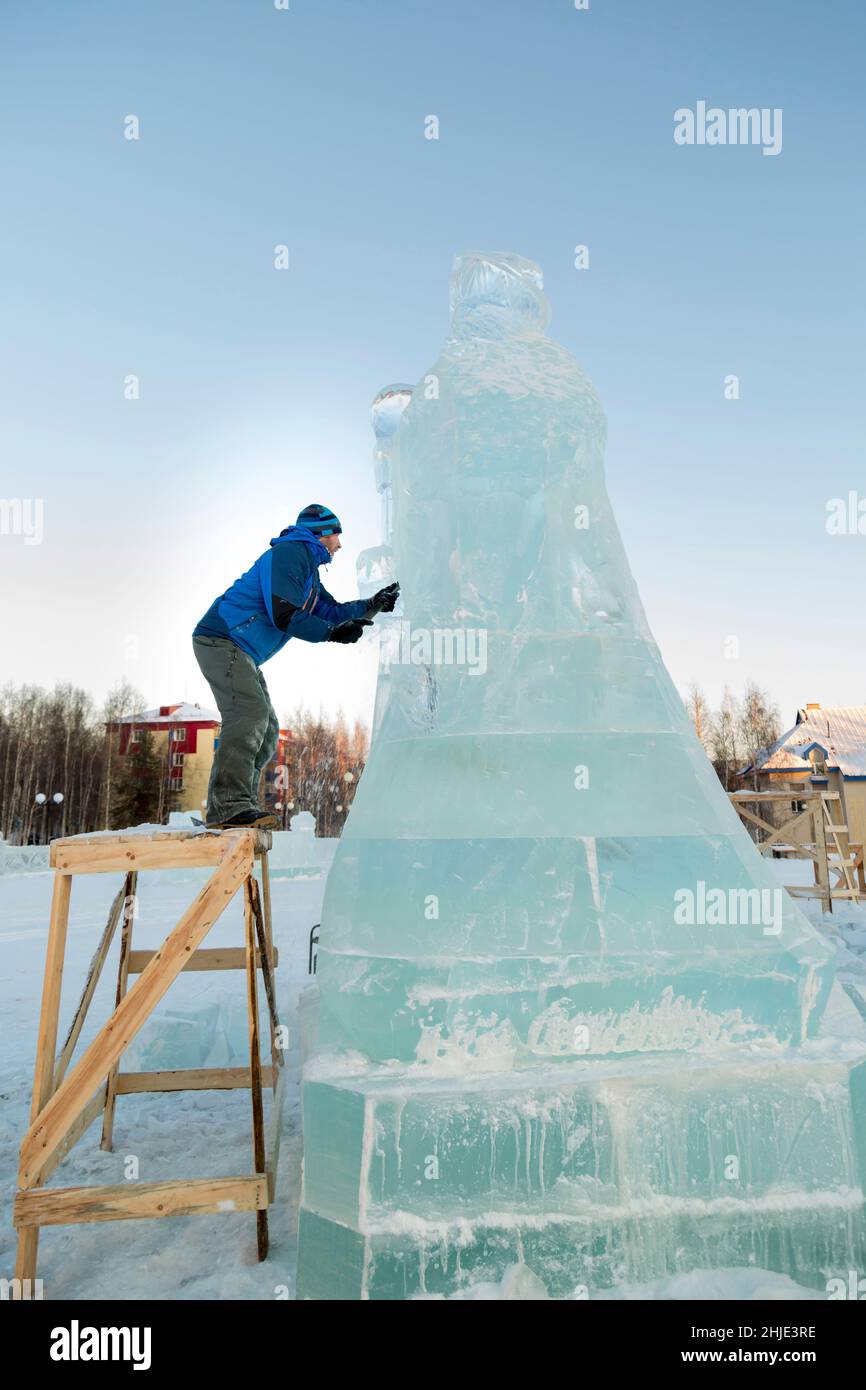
(280, 597)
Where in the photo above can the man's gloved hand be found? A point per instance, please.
(350, 631)
(384, 600)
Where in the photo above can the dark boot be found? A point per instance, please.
(253, 819)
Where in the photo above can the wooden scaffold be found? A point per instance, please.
(67, 1101)
(812, 830)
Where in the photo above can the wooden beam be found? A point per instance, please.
(127, 1201)
(171, 849)
(196, 1079)
(161, 836)
(822, 868)
(90, 1113)
(206, 958)
(797, 890)
(278, 1068)
(262, 1239)
(776, 833)
(266, 900)
(200, 852)
(275, 1131)
(47, 1130)
(47, 1037)
(130, 895)
(267, 953)
(46, 1045)
(93, 974)
(795, 795)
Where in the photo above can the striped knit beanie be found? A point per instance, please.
(318, 519)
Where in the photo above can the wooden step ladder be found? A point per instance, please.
(66, 1102)
(841, 854)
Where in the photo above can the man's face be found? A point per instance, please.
(331, 543)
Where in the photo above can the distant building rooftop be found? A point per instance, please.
(173, 714)
(840, 733)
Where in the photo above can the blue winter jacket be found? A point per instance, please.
(278, 598)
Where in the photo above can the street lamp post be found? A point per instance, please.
(43, 801)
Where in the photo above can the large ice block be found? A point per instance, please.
(548, 945)
(592, 1139)
(594, 1173)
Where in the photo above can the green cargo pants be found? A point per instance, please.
(250, 728)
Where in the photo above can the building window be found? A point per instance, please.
(179, 735)
(135, 736)
(177, 759)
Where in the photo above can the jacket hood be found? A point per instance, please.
(300, 533)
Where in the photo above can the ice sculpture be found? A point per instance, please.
(567, 1016)
(375, 567)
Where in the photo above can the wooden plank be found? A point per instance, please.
(47, 1131)
(130, 891)
(264, 838)
(838, 851)
(275, 1131)
(98, 837)
(255, 1068)
(90, 1112)
(775, 796)
(206, 958)
(797, 890)
(46, 1046)
(195, 1079)
(266, 952)
(127, 1201)
(138, 852)
(822, 869)
(93, 974)
(775, 834)
(278, 1069)
(266, 900)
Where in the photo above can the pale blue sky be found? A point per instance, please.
(305, 127)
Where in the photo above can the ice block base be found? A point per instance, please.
(592, 1174)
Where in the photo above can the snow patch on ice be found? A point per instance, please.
(485, 1046)
(659, 1207)
(674, 1024)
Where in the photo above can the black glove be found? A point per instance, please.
(385, 600)
(349, 631)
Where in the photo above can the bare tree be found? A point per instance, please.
(324, 763)
(122, 700)
(50, 747)
(700, 714)
(758, 726)
(724, 746)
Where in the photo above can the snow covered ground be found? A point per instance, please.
(202, 1022)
